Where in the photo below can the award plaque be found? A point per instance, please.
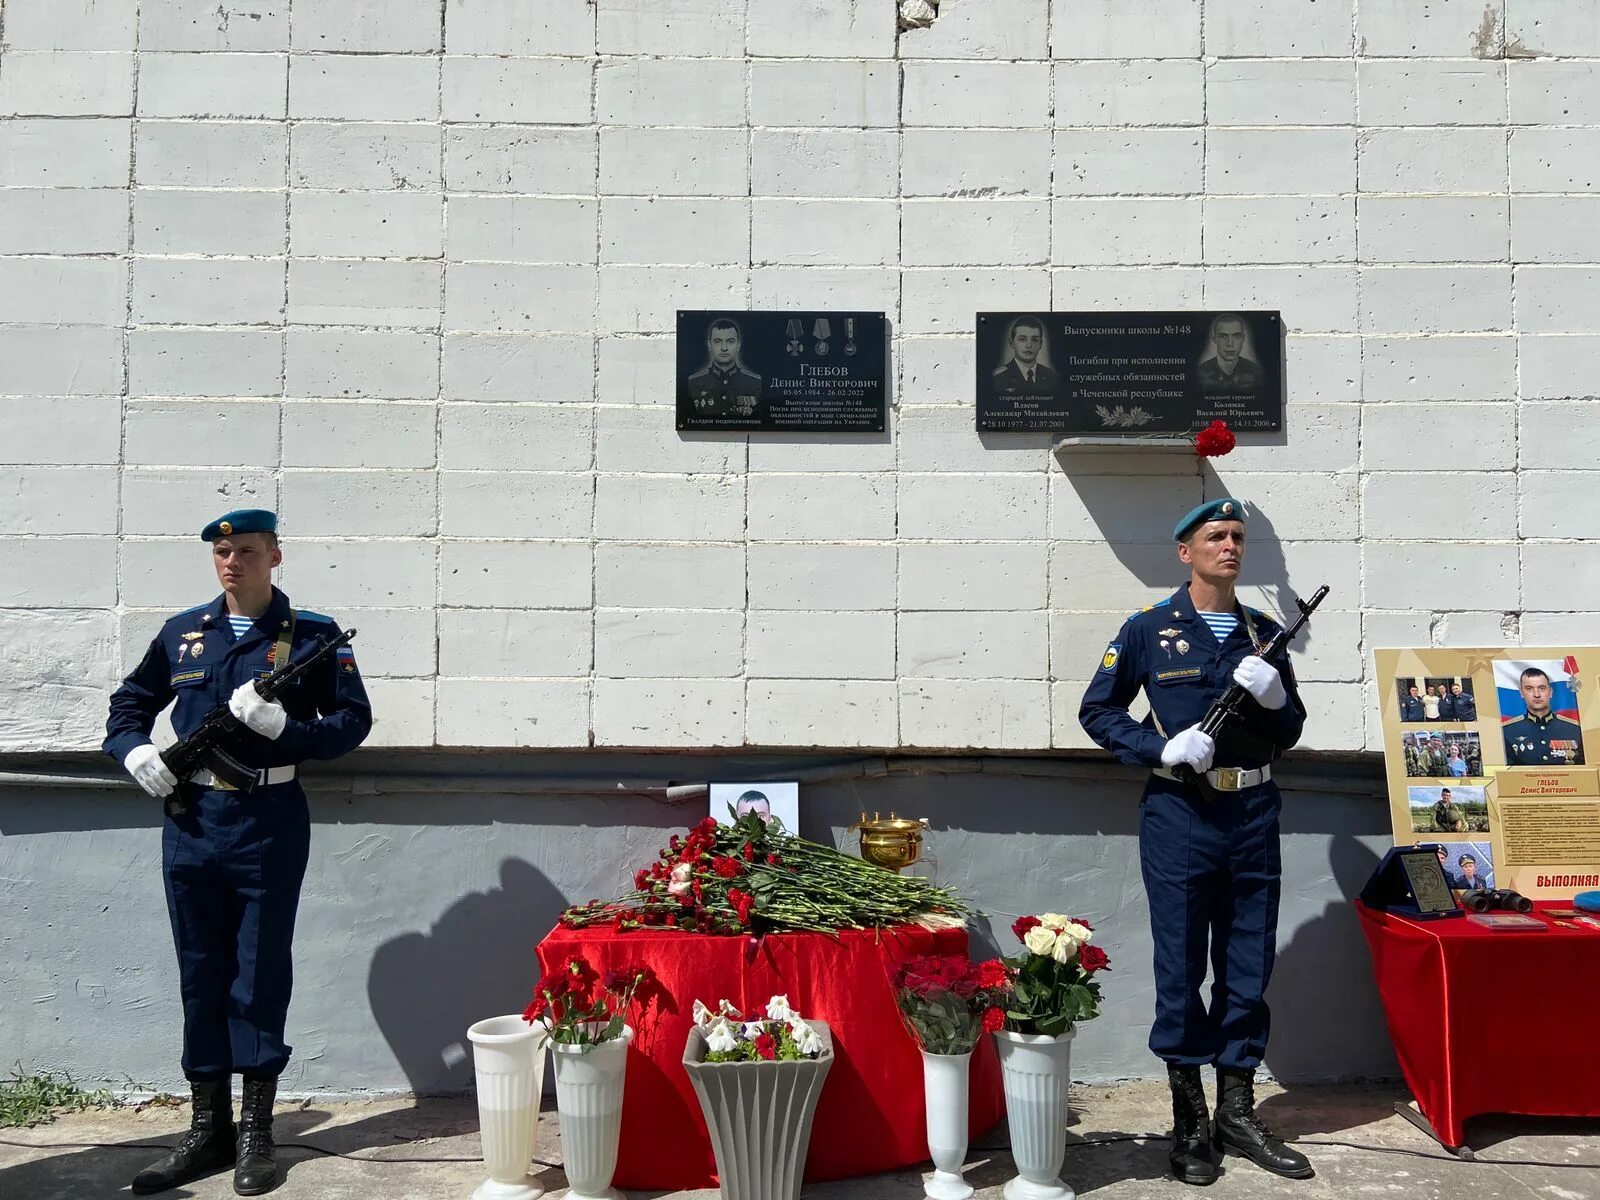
(1409, 881)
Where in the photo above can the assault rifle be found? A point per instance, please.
(1225, 709)
(204, 747)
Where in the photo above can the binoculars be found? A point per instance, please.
(1496, 898)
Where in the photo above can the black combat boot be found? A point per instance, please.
(256, 1172)
(1241, 1132)
(1191, 1127)
(206, 1148)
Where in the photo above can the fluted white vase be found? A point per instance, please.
(589, 1101)
(944, 1096)
(508, 1059)
(1036, 1071)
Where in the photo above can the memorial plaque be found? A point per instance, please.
(791, 371)
(1130, 372)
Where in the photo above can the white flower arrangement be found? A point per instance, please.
(780, 1035)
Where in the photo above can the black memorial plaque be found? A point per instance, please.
(792, 371)
(1130, 372)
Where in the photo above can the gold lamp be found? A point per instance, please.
(891, 842)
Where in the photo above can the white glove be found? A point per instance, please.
(1261, 679)
(266, 717)
(149, 772)
(1190, 746)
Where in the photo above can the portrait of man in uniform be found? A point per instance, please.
(1228, 368)
(1410, 700)
(1023, 373)
(1542, 736)
(724, 387)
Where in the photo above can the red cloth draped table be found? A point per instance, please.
(870, 1117)
(1487, 1021)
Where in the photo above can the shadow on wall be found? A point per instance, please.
(475, 962)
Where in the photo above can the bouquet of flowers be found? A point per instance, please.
(579, 1006)
(1053, 983)
(1215, 440)
(755, 877)
(781, 1035)
(948, 1003)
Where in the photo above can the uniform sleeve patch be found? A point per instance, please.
(1108, 660)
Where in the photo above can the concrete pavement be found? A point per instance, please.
(1402, 1162)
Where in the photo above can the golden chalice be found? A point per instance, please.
(891, 842)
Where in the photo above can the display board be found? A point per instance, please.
(1129, 373)
(1489, 756)
(792, 371)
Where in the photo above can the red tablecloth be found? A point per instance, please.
(1486, 1021)
(870, 1117)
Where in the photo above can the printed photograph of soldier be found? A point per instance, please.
(1025, 368)
(1436, 698)
(1467, 865)
(1452, 809)
(1539, 712)
(724, 387)
(1441, 754)
(1228, 363)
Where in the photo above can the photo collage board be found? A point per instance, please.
(1493, 757)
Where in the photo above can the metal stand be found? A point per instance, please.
(1409, 1110)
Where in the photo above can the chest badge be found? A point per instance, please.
(197, 649)
(1166, 646)
(1183, 646)
(1169, 633)
(182, 650)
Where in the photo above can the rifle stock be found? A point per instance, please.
(1225, 708)
(205, 746)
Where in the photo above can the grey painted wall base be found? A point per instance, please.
(422, 906)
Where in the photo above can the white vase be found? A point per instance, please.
(589, 1100)
(1036, 1071)
(508, 1059)
(944, 1095)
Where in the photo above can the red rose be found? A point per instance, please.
(1214, 440)
(1092, 959)
(616, 980)
(767, 1046)
(727, 867)
(1021, 926)
(537, 1009)
(707, 826)
(994, 1020)
(748, 853)
(774, 860)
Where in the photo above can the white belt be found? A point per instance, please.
(266, 778)
(1227, 779)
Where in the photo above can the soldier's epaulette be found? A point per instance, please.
(748, 374)
(700, 372)
(188, 612)
(1142, 611)
(304, 615)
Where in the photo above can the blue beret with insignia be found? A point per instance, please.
(240, 520)
(1225, 509)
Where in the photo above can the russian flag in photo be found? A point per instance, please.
(1563, 692)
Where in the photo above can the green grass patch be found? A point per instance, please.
(27, 1100)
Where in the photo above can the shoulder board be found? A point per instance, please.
(1142, 611)
(188, 612)
(303, 615)
(748, 374)
(999, 371)
(700, 372)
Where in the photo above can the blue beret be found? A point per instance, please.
(1225, 509)
(240, 520)
(1588, 901)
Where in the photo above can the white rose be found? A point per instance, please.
(1078, 933)
(1064, 950)
(680, 876)
(1040, 940)
(720, 1039)
(778, 1009)
(1055, 920)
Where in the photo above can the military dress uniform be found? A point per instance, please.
(1411, 708)
(1466, 706)
(731, 393)
(1549, 741)
(1012, 380)
(1246, 376)
(1209, 855)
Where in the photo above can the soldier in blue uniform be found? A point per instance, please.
(1466, 707)
(1209, 854)
(1411, 705)
(234, 860)
(723, 388)
(1542, 738)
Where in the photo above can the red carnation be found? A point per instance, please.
(1092, 959)
(748, 853)
(776, 860)
(1214, 440)
(1021, 926)
(767, 1046)
(537, 1009)
(994, 1019)
(993, 975)
(670, 919)
(641, 877)
(727, 867)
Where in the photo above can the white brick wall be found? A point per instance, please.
(408, 270)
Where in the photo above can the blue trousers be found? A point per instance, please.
(233, 866)
(1211, 870)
